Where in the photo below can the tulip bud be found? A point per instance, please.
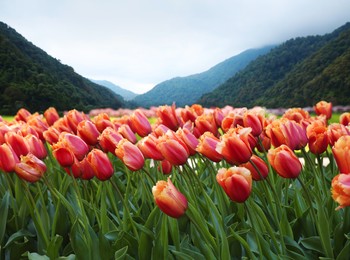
(51, 115)
(139, 123)
(169, 200)
(236, 182)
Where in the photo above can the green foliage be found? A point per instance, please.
(30, 78)
(297, 73)
(187, 90)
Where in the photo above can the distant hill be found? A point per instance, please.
(297, 73)
(32, 79)
(126, 94)
(187, 90)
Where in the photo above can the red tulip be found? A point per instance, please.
(335, 131)
(73, 118)
(36, 146)
(344, 118)
(64, 156)
(189, 139)
(8, 158)
(139, 123)
(109, 139)
(169, 200)
(101, 164)
(51, 115)
(75, 144)
(236, 182)
(256, 162)
(22, 115)
(148, 147)
(127, 133)
(18, 143)
(87, 131)
(167, 117)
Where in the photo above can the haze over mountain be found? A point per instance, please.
(126, 94)
(299, 72)
(187, 90)
(32, 79)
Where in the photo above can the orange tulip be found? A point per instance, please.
(102, 121)
(173, 148)
(234, 146)
(22, 115)
(318, 139)
(39, 125)
(344, 118)
(130, 155)
(169, 199)
(8, 158)
(324, 108)
(207, 147)
(51, 135)
(256, 162)
(236, 182)
(148, 147)
(206, 123)
(139, 123)
(335, 131)
(51, 115)
(341, 190)
(285, 162)
(101, 164)
(160, 130)
(341, 152)
(254, 121)
(87, 131)
(30, 168)
(296, 114)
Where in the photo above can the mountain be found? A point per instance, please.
(187, 90)
(32, 79)
(297, 73)
(126, 94)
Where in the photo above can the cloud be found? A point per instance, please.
(141, 43)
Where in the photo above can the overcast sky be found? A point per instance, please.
(137, 44)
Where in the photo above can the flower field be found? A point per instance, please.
(190, 183)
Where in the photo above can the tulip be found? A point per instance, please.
(4, 128)
(36, 146)
(168, 117)
(30, 168)
(234, 146)
(64, 156)
(51, 135)
(102, 121)
(264, 144)
(218, 116)
(206, 123)
(127, 133)
(160, 130)
(189, 139)
(236, 182)
(285, 162)
(166, 167)
(344, 118)
(8, 158)
(257, 168)
(87, 131)
(73, 118)
(109, 139)
(296, 114)
(341, 152)
(87, 171)
(61, 125)
(39, 125)
(75, 144)
(324, 108)
(18, 143)
(232, 120)
(100, 164)
(335, 131)
(148, 147)
(318, 139)
(169, 199)
(75, 168)
(255, 122)
(22, 115)
(188, 114)
(207, 147)
(173, 148)
(51, 115)
(130, 155)
(139, 123)
(341, 190)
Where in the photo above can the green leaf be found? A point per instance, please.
(344, 254)
(147, 238)
(35, 256)
(18, 235)
(313, 243)
(121, 253)
(54, 247)
(3, 216)
(79, 244)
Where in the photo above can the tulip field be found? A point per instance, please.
(178, 183)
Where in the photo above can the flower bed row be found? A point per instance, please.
(197, 183)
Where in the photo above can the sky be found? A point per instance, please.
(137, 44)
